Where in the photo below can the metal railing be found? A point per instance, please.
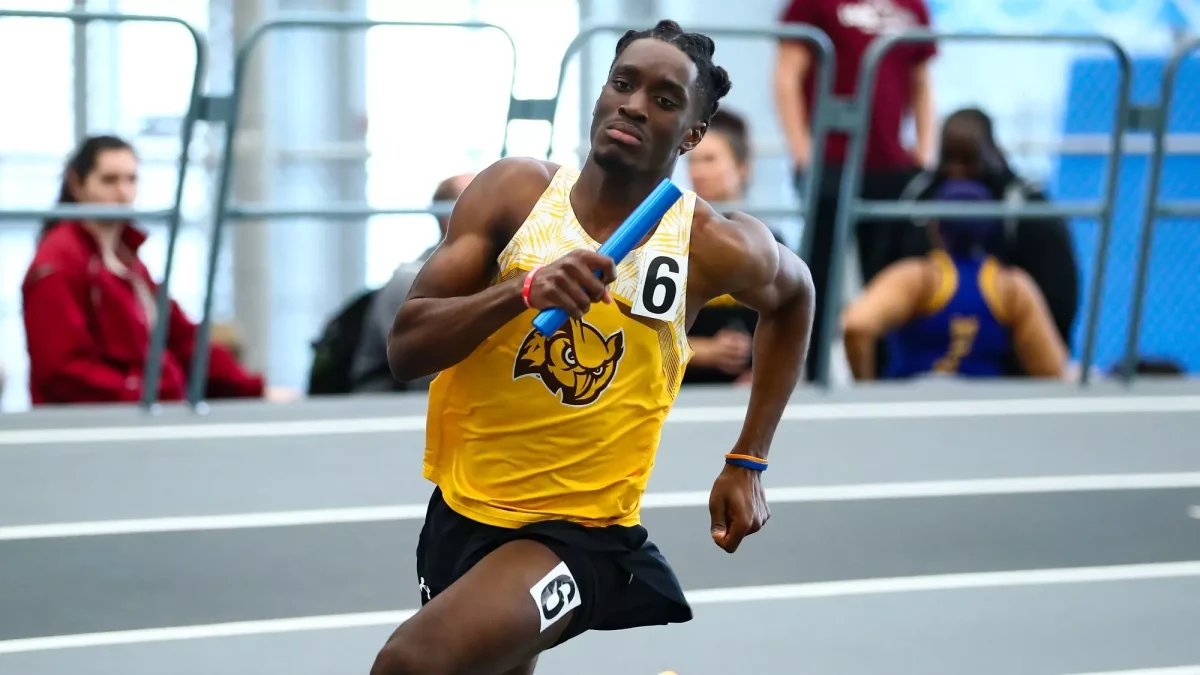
(518, 109)
(852, 209)
(1155, 207)
(850, 116)
(173, 214)
(227, 111)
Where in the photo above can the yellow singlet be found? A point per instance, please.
(527, 429)
(723, 301)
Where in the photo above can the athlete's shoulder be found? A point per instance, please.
(515, 177)
(732, 245)
(507, 190)
(731, 232)
(527, 168)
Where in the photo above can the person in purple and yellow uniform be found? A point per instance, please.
(957, 310)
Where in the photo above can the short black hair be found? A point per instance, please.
(993, 156)
(713, 80)
(733, 126)
(979, 118)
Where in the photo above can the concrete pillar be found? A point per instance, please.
(97, 72)
(315, 109)
(79, 67)
(250, 247)
(641, 11)
(301, 141)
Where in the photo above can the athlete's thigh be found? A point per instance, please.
(486, 623)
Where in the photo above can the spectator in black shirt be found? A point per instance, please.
(721, 337)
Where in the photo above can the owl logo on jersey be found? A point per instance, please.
(576, 363)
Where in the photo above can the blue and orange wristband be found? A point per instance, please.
(746, 461)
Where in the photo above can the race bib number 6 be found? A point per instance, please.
(660, 285)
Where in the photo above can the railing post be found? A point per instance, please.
(230, 108)
(152, 372)
(851, 208)
(1154, 208)
(159, 336)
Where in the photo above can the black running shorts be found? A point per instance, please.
(622, 579)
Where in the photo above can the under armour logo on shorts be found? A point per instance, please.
(556, 595)
(425, 589)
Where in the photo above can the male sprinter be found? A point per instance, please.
(540, 447)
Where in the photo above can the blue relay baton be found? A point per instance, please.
(634, 229)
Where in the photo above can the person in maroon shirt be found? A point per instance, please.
(902, 88)
(89, 302)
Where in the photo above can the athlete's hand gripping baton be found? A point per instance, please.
(634, 229)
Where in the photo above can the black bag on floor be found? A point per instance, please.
(333, 352)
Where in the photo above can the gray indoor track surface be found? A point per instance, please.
(1005, 529)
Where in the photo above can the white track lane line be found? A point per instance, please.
(1176, 670)
(903, 410)
(832, 589)
(652, 500)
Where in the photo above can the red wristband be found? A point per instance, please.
(529, 284)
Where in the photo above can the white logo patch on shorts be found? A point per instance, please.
(555, 595)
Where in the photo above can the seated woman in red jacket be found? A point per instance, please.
(89, 302)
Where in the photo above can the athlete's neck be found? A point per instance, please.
(602, 199)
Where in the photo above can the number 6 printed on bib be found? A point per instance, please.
(661, 285)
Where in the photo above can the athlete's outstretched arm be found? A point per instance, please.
(767, 277)
(450, 310)
(775, 282)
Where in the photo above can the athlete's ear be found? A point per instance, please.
(693, 137)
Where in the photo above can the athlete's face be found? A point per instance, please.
(646, 114)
